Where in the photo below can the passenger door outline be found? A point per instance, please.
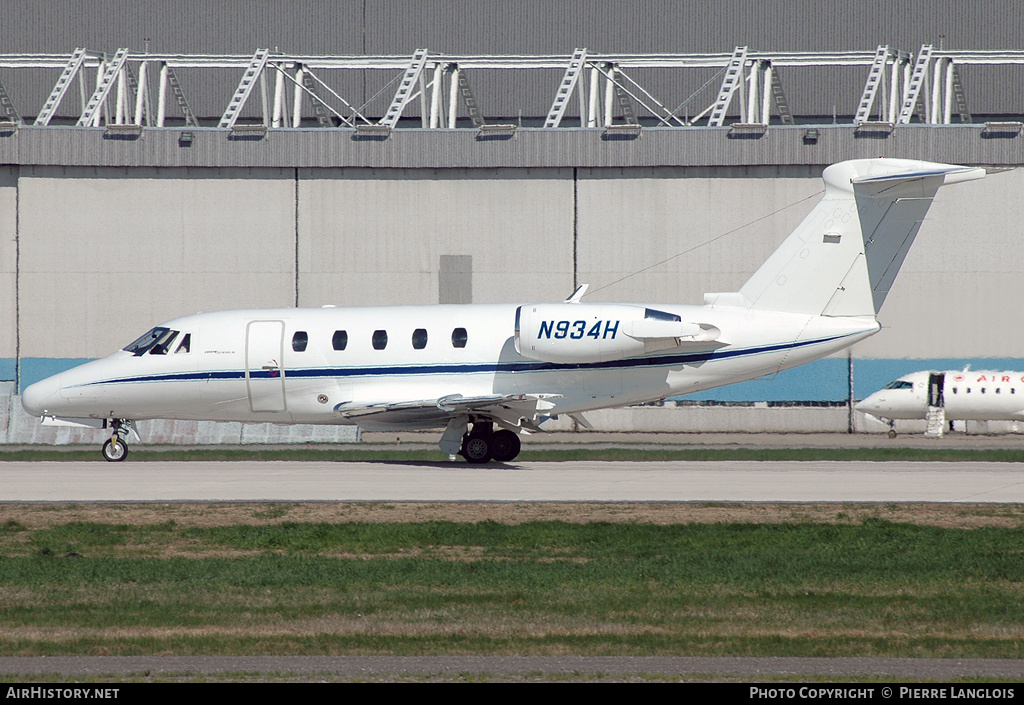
(264, 366)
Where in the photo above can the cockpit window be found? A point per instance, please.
(156, 342)
(161, 346)
(900, 384)
(185, 345)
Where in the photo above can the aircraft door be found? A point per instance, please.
(264, 365)
(936, 380)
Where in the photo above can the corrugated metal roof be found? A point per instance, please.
(526, 148)
(524, 27)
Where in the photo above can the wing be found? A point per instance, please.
(439, 411)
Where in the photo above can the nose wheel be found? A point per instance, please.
(114, 450)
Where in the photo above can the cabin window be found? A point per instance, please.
(380, 339)
(459, 338)
(299, 341)
(340, 339)
(185, 345)
(982, 390)
(954, 390)
(968, 390)
(419, 338)
(999, 390)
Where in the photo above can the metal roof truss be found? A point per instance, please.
(897, 87)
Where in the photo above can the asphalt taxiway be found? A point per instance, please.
(578, 481)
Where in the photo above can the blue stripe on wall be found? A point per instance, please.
(34, 369)
(871, 375)
(821, 380)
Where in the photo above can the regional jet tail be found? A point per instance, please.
(487, 373)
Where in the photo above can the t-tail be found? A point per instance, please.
(843, 258)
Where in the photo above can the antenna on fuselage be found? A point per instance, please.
(578, 294)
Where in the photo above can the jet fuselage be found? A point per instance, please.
(283, 365)
(966, 395)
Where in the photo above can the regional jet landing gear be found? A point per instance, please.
(483, 444)
(115, 449)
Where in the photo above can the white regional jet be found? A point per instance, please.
(962, 395)
(487, 372)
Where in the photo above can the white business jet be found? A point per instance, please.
(489, 372)
(962, 395)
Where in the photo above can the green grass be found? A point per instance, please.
(570, 453)
(546, 587)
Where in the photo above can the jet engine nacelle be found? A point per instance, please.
(572, 332)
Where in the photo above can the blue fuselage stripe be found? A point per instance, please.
(669, 360)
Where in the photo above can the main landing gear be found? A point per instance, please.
(115, 449)
(483, 444)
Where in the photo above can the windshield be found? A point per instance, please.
(899, 384)
(157, 340)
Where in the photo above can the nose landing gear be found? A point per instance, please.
(115, 449)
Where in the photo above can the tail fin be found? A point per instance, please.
(843, 258)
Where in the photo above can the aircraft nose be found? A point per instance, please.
(42, 396)
(873, 404)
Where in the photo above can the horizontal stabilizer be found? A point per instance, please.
(950, 175)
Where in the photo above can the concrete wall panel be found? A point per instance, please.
(108, 253)
(371, 236)
(714, 228)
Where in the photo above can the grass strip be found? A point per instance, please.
(873, 588)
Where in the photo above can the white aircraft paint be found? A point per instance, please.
(964, 395)
(513, 365)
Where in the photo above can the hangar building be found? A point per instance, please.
(163, 157)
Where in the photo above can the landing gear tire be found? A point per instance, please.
(477, 449)
(892, 433)
(505, 446)
(115, 450)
